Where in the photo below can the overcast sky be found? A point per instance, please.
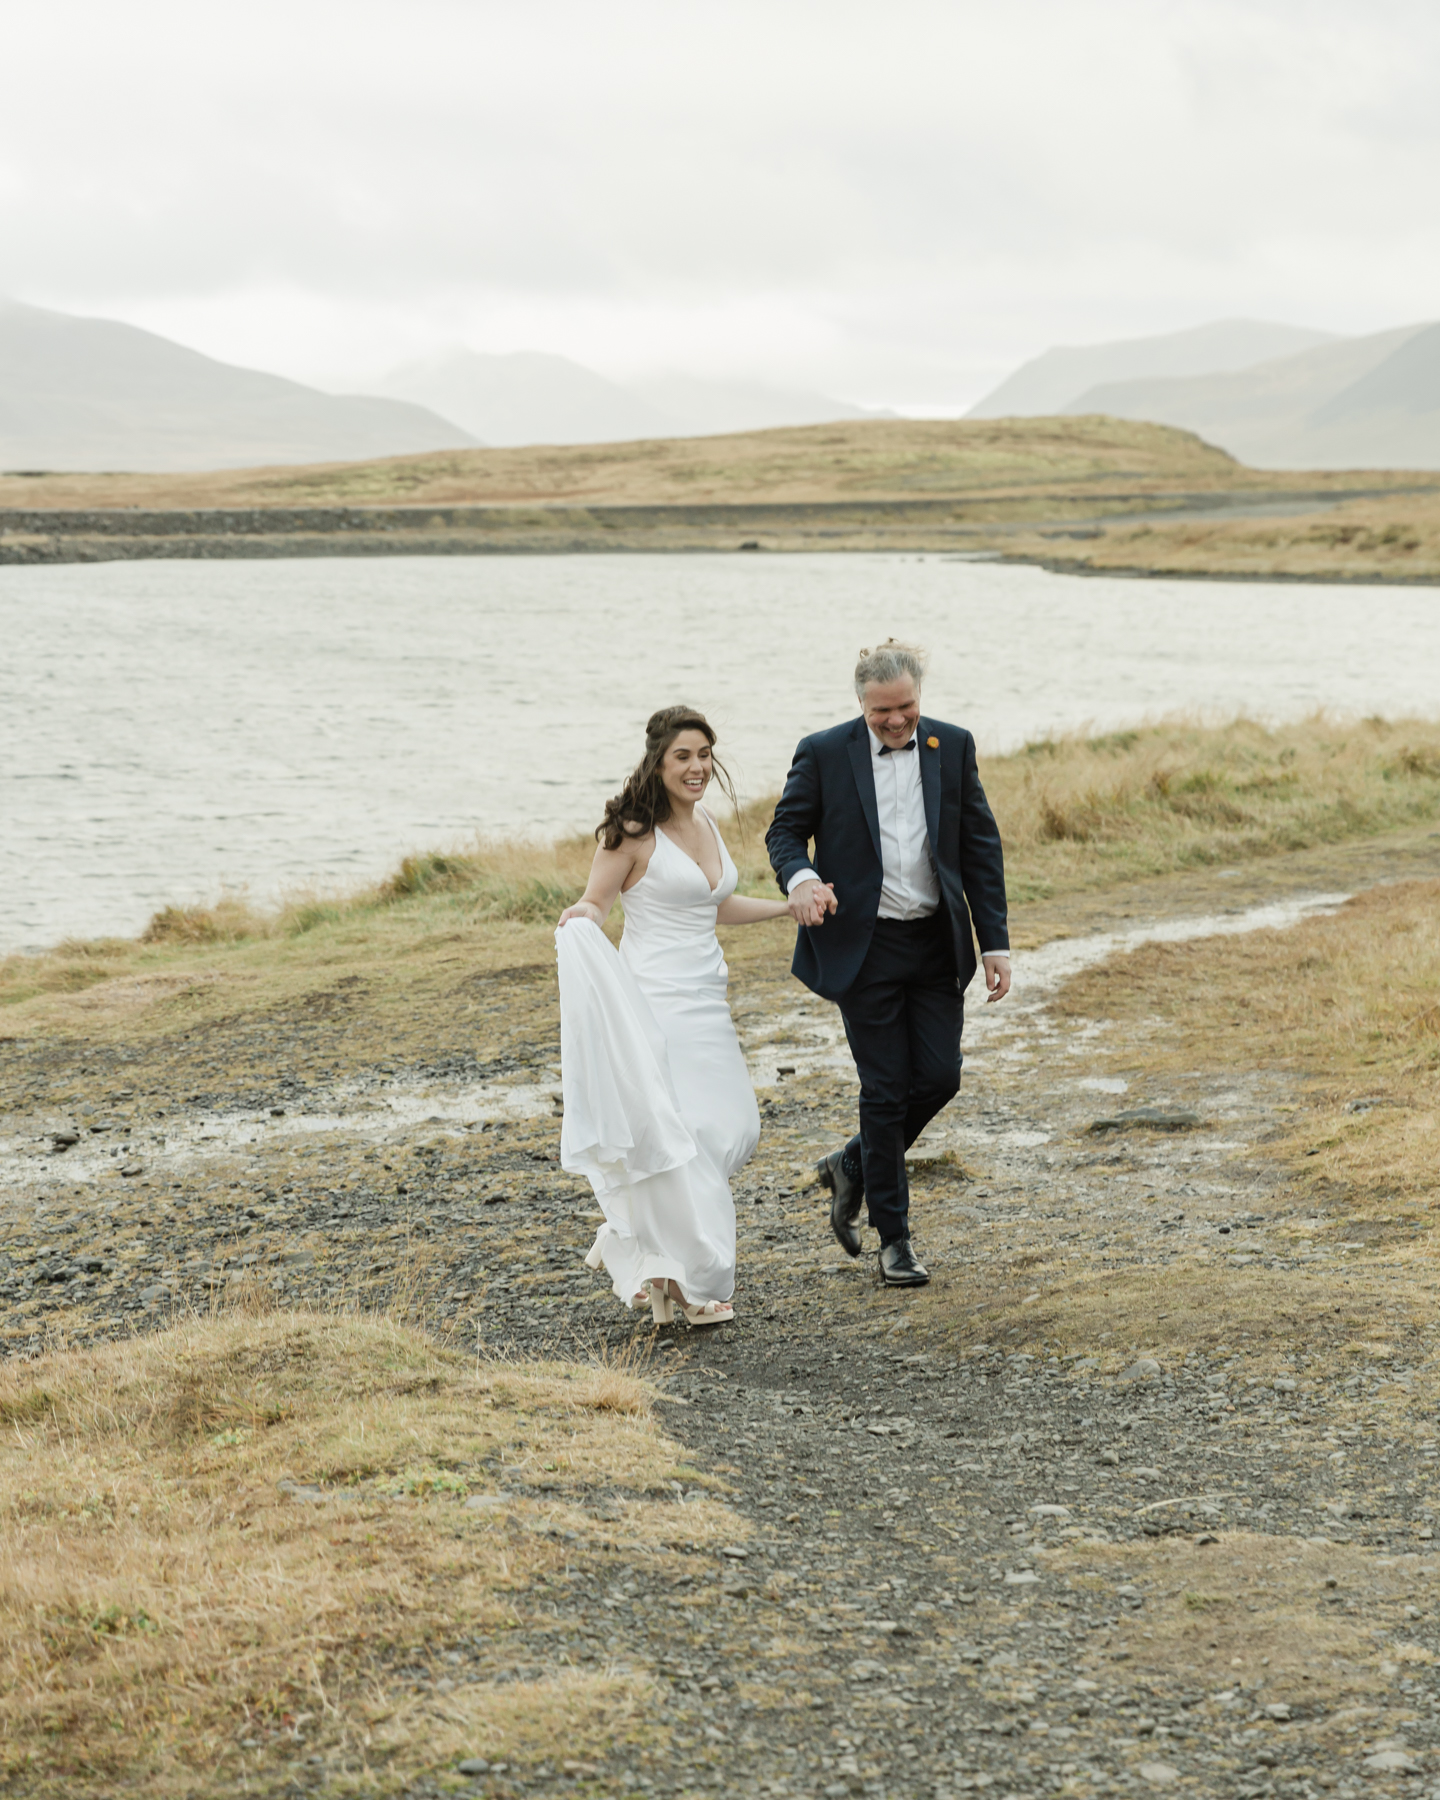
(895, 202)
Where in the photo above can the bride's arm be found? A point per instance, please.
(608, 874)
(739, 909)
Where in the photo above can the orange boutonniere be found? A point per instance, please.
(932, 743)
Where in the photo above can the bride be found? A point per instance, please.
(659, 1108)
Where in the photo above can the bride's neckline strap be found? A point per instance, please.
(714, 886)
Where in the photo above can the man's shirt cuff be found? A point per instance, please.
(1004, 953)
(799, 876)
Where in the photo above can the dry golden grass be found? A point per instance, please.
(1346, 1010)
(1077, 814)
(887, 459)
(1117, 1314)
(1198, 1613)
(1350, 1001)
(165, 1602)
(1383, 538)
(1021, 486)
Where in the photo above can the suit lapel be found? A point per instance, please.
(929, 784)
(865, 781)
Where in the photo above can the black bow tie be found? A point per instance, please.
(885, 749)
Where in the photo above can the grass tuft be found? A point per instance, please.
(1351, 1002)
(1077, 814)
(229, 920)
(222, 1532)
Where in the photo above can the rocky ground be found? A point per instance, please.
(1012, 1531)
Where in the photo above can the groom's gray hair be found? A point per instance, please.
(888, 662)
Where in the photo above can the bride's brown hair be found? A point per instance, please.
(643, 803)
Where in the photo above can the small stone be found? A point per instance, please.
(1050, 1512)
(1110, 1459)
(1158, 1774)
(1392, 1762)
(133, 1169)
(734, 1550)
(473, 1765)
(1146, 1474)
(1021, 1578)
(1277, 1709)
(1144, 1368)
(1147, 1118)
(302, 1492)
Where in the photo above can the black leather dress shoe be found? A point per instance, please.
(845, 1207)
(900, 1267)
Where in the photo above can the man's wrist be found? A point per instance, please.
(799, 876)
(1004, 953)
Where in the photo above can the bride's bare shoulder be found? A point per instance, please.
(637, 846)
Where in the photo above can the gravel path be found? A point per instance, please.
(978, 1544)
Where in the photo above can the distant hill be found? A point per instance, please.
(530, 397)
(1050, 383)
(708, 407)
(80, 393)
(855, 462)
(1371, 402)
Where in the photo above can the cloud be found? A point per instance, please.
(879, 199)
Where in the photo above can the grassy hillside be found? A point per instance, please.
(1084, 494)
(891, 459)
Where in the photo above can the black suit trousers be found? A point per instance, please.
(903, 1016)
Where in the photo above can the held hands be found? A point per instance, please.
(810, 902)
(997, 977)
(582, 909)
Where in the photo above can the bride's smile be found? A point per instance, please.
(687, 768)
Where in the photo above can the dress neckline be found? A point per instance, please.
(660, 832)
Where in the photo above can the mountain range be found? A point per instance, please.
(95, 394)
(529, 397)
(1317, 402)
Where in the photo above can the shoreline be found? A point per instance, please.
(1075, 494)
(970, 529)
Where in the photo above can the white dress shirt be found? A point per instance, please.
(909, 886)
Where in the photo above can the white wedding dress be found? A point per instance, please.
(659, 1108)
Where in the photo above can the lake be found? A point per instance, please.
(170, 728)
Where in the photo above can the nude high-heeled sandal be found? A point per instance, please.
(712, 1312)
(662, 1306)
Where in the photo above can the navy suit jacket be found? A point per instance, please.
(830, 797)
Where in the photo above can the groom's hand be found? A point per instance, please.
(997, 977)
(810, 902)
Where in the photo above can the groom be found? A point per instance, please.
(904, 839)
